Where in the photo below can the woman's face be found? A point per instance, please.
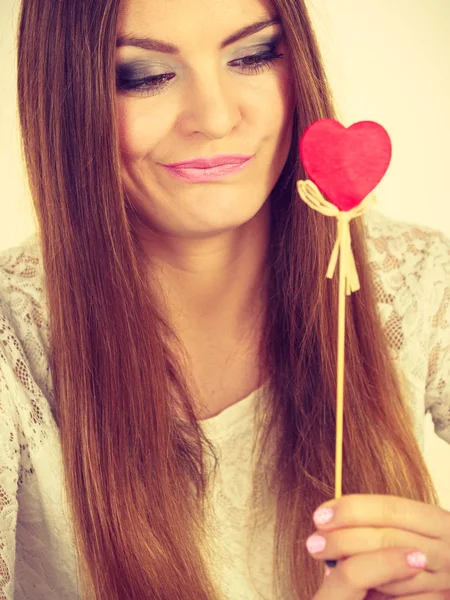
(204, 100)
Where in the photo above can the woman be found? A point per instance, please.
(181, 305)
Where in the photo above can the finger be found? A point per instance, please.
(352, 577)
(422, 583)
(342, 543)
(432, 596)
(383, 510)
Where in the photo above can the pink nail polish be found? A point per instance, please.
(315, 543)
(327, 571)
(323, 515)
(416, 559)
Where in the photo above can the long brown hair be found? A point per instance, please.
(135, 472)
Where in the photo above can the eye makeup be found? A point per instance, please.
(137, 73)
(134, 70)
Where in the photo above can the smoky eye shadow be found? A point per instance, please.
(131, 70)
(276, 39)
(139, 69)
(273, 40)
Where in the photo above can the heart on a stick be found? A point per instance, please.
(345, 164)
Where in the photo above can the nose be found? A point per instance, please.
(211, 105)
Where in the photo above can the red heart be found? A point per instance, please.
(345, 164)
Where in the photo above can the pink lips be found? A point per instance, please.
(213, 161)
(203, 170)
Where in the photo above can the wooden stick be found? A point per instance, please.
(343, 234)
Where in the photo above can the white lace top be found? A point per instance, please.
(411, 265)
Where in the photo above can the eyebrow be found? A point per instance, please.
(160, 46)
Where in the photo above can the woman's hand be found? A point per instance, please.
(371, 536)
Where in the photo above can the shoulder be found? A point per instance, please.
(24, 343)
(20, 274)
(21, 285)
(411, 273)
(406, 256)
(387, 236)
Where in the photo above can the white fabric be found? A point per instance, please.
(411, 265)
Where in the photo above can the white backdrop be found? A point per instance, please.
(387, 62)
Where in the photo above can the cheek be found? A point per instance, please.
(141, 127)
(287, 96)
(275, 103)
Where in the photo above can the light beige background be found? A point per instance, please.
(387, 61)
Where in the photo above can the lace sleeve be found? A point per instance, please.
(9, 470)
(437, 395)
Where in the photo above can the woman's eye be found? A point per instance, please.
(252, 64)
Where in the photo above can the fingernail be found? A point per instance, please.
(315, 543)
(323, 515)
(327, 571)
(416, 559)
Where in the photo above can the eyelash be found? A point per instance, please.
(158, 82)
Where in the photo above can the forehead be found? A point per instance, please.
(188, 19)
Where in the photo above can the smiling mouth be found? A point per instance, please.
(204, 175)
(214, 161)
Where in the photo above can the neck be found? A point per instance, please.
(213, 286)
